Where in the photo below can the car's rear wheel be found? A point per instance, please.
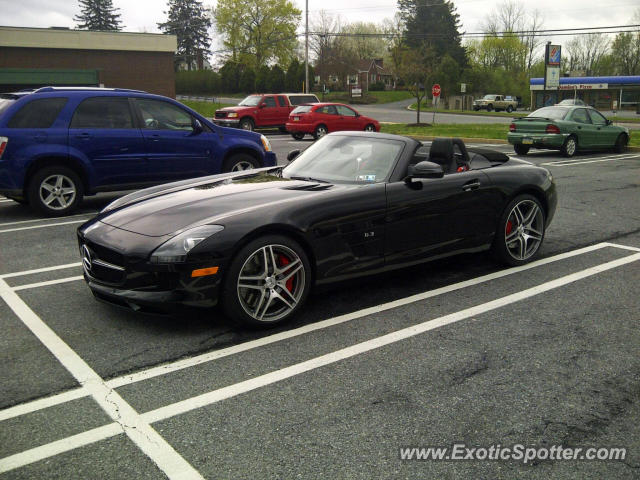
(489, 107)
(520, 231)
(370, 128)
(298, 135)
(521, 149)
(239, 162)
(55, 190)
(320, 131)
(267, 283)
(509, 109)
(569, 146)
(621, 143)
(247, 124)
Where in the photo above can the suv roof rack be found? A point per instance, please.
(100, 89)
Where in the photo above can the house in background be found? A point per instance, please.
(364, 73)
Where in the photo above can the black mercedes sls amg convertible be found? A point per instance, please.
(353, 203)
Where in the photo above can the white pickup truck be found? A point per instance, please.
(495, 102)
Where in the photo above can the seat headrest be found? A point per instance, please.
(441, 148)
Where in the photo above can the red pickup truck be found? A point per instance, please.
(256, 111)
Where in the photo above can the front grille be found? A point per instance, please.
(221, 114)
(103, 265)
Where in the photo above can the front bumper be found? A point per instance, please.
(227, 122)
(537, 140)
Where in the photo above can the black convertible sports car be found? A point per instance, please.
(353, 203)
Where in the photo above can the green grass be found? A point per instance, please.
(484, 113)
(206, 109)
(471, 130)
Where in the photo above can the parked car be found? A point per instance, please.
(257, 111)
(60, 144)
(572, 101)
(321, 118)
(352, 204)
(568, 129)
(495, 102)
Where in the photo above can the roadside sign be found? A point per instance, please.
(463, 88)
(554, 55)
(356, 92)
(435, 90)
(553, 77)
(435, 101)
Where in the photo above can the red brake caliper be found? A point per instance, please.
(509, 227)
(284, 261)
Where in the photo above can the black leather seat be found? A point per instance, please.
(443, 152)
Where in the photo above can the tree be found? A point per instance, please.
(416, 69)
(626, 50)
(98, 15)
(188, 20)
(258, 32)
(434, 24)
(275, 81)
(586, 53)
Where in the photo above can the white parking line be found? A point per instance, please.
(40, 270)
(47, 219)
(40, 226)
(230, 391)
(47, 283)
(125, 417)
(6, 200)
(581, 161)
(268, 340)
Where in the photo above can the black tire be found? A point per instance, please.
(509, 109)
(242, 305)
(320, 131)
(298, 135)
(282, 130)
(475, 109)
(621, 143)
(239, 162)
(489, 107)
(62, 179)
(247, 124)
(21, 201)
(370, 128)
(509, 251)
(569, 147)
(521, 149)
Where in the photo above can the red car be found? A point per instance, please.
(318, 119)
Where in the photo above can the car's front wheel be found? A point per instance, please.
(489, 107)
(569, 147)
(239, 162)
(320, 131)
(267, 283)
(370, 128)
(621, 143)
(520, 231)
(521, 149)
(55, 190)
(247, 124)
(509, 109)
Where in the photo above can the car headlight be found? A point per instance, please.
(232, 115)
(265, 143)
(176, 249)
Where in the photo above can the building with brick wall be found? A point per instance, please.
(37, 57)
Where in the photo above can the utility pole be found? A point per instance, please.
(306, 49)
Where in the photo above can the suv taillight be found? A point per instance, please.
(552, 129)
(512, 127)
(3, 145)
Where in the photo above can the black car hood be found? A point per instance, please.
(174, 209)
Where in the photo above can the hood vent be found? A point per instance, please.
(313, 187)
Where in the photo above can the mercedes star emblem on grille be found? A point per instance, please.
(86, 259)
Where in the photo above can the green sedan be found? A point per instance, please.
(568, 129)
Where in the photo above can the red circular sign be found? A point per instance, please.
(435, 90)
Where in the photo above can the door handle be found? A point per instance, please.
(155, 138)
(471, 185)
(83, 136)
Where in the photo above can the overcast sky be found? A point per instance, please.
(143, 15)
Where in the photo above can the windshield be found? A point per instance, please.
(553, 113)
(489, 97)
(302, 109)
(251, 101)
(6, 102)
(346, 159)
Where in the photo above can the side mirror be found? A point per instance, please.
(197, 127)
(609, 122)
(293, 154)
(262, 105)
(425, 169)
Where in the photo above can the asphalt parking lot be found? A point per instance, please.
(461, 350)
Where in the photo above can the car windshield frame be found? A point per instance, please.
(360, 160)
(551, 113)
(247, 103)
(489, 97)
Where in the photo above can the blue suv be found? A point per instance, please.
(59, 144)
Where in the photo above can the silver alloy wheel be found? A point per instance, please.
(271, 283)
(570, 148)
(57, 192)
(524, 230)
(369, 128)
(242, 165)
(246, 125)
(321, 131)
